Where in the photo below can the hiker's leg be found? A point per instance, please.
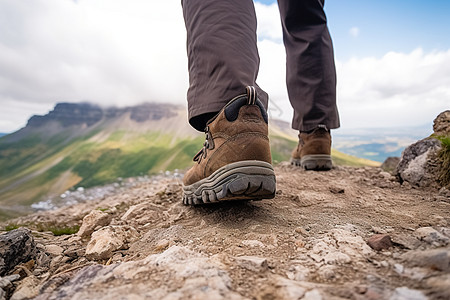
(310, 69)
(222, 55)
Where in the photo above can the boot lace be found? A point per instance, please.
(208, 144)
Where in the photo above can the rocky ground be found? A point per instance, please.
(344, 234)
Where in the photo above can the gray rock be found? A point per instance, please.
(404, 293)
(431, 236)
(438, 259)
(390, 164)
(418, 163)
(16, 246)
(6, 285)
(405, 241)
(7, 280)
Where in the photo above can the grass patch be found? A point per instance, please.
(281, 148)
(56, 229)
(10, 227)
(63, 230)
(444, 157)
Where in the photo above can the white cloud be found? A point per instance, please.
(269, 22)
(397, 89)
(354, 31)
(112, 52)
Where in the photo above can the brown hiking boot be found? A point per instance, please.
(314, 150)
(235, 162)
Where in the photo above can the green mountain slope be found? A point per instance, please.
(73, 147)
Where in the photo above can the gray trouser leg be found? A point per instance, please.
(222, 54)
(310, 69)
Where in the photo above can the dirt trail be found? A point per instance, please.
(310, 242)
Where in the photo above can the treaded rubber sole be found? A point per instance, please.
(317, 162)
(244, 180)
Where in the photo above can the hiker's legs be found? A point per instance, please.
(310, 69)
(222, 55)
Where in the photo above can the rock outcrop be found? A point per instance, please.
(16, 246)
(441, 125)
(420, 165)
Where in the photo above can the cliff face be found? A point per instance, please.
(70, 114)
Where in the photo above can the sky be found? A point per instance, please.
(392, 57)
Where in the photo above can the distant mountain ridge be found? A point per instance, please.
(69, 114)
(84, 145)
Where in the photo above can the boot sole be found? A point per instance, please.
(317, 162)
(244, 180)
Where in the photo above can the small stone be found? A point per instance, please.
(54, 250)
(109, 239)
(301, 230)
(74, 251)
(299, 243)
(94, 219)
(162, 245)
(431, 236)
(399, 268)
(380, 242)
(378, 230)
(337, 190)
(384, 264)
(404, 293)
(252, 263)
